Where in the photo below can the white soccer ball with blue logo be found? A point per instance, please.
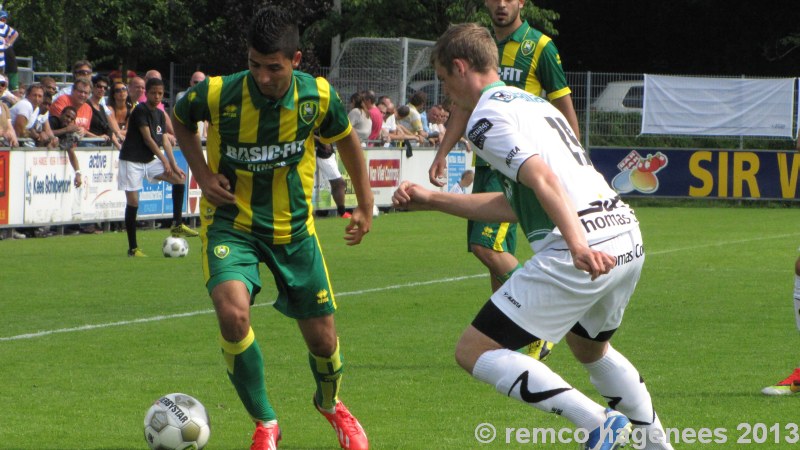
(175, 247)
(177, 422)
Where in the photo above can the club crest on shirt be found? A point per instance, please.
(221, 251)
(527, 47)
(309, 111)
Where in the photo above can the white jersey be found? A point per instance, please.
(507, 127)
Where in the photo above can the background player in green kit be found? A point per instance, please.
(529, 60)
(256, 207)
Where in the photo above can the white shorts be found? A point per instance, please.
(548, 296)
(328, 168)
(131, 174)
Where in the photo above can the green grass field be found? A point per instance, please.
(90, 337)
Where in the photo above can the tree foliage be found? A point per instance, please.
(117, 34)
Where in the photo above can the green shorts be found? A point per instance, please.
(299, 269)
(500, 237)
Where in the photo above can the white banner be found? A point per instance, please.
(718, 106)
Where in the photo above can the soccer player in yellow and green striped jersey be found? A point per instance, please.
(256, 207)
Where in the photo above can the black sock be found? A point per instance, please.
(177, 203)
(340, 209)
(130, 225)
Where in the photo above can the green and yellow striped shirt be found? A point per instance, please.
(266, 149)
(530, 61)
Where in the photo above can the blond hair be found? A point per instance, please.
(469, 42)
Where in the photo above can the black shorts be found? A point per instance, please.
(496, 325)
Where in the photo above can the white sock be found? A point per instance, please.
(525, 379)
(618, 381)
(797, 300)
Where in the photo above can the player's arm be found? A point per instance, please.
(483, 207)
(456, 126)
(176, 169)
(216, 187)
(352, 156)
(150, 143)
(564, 104)
(537, 175)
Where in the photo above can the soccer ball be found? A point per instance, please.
(176, 422)
(175, 247)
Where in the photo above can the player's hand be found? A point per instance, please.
(409, 195)
(437, 171)
(217, 190)
(594, 262)
(78, 180)
(360, 224)
(167, 167)
(178, 171)
(171, 138)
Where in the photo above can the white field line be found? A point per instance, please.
(37, 334)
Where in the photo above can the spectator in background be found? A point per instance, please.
(196, 78)
(436, 127)
(5, 95)
(360, 118)
(413, 122)
(42, 123)
(135, 91)
(80, 69)
(386, 107)
(464, 183)
(103, 123)
(115, 76)
(401, 133)
(50, 86)
(8, 137)
(8, 58)
(69, 133)
(375, 115)
(24, 117)
(117, 103)
(79, 94)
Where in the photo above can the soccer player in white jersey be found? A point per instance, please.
(588, 251)
(791, 384)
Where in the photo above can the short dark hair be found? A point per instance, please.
(403, 111)
(153, 82)
(273, 30)
(369, 96)
(32, 87)
(98, 78)
(80, 63)
(419, 98)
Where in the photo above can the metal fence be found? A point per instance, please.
(608, 106)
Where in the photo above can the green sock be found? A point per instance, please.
(246, 372)
(506, 276)
(328, 375)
